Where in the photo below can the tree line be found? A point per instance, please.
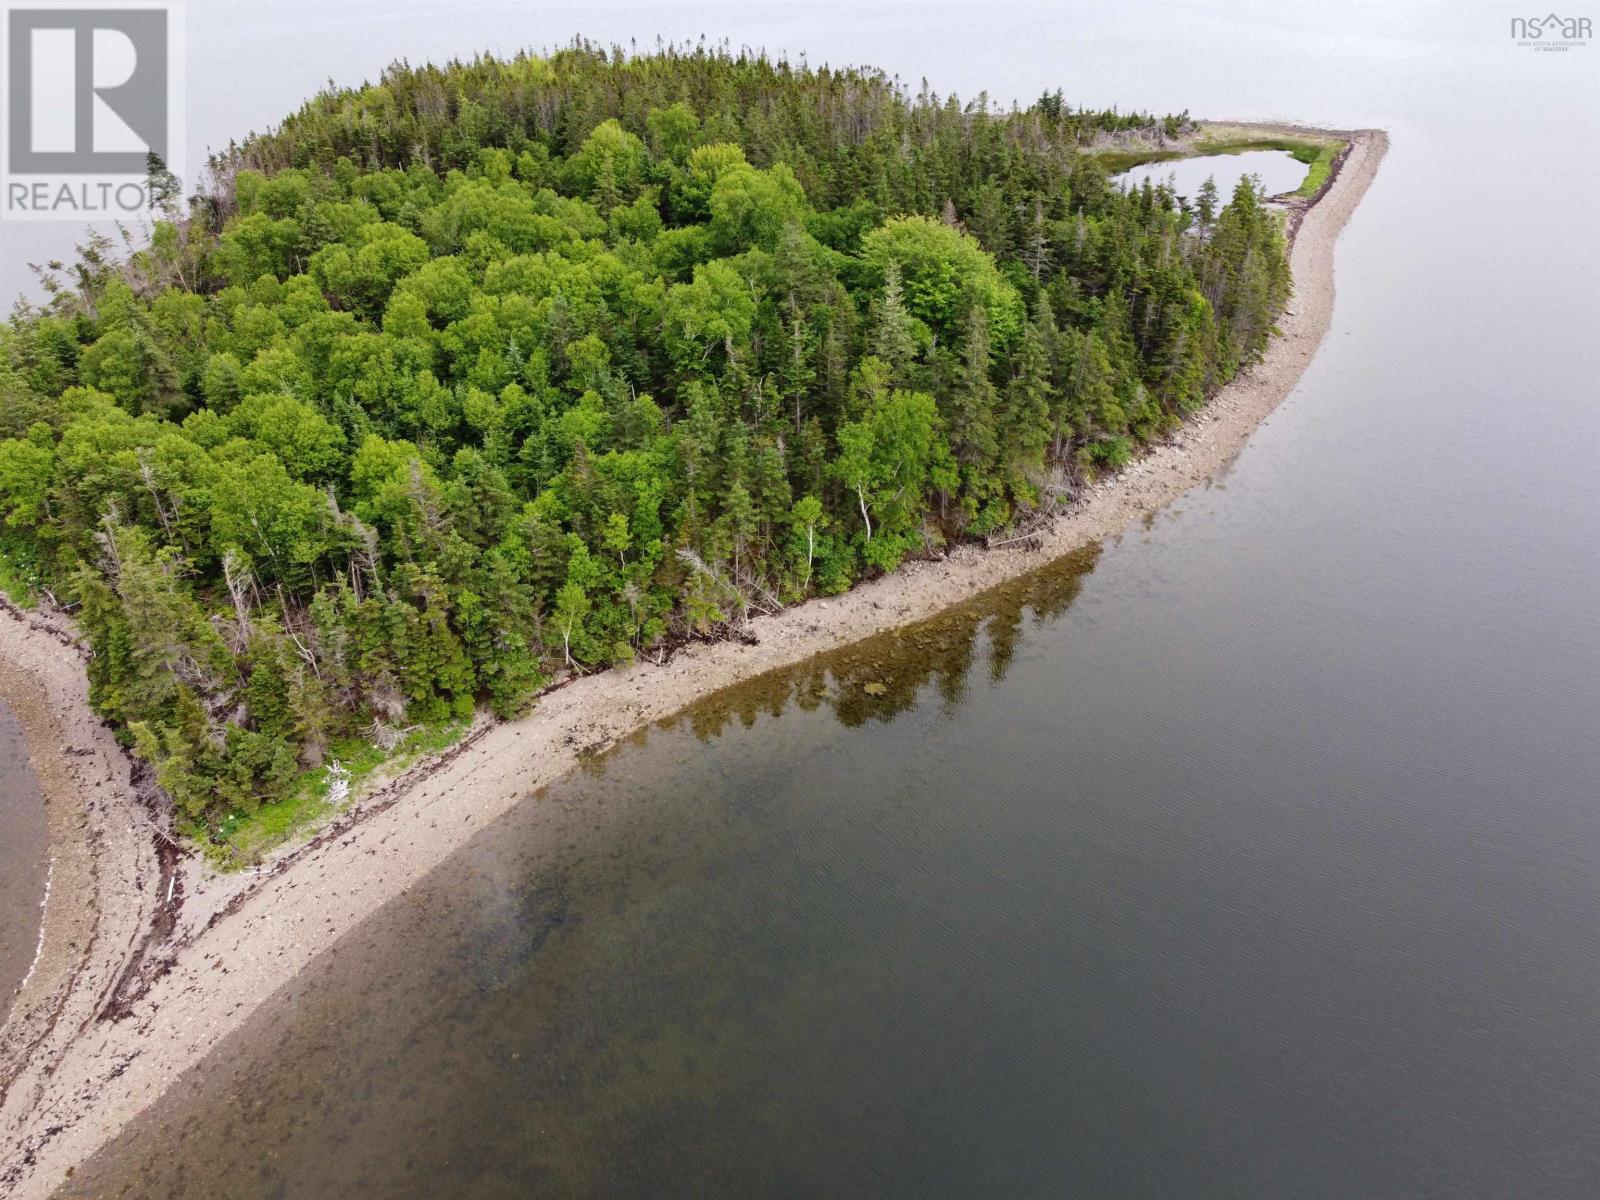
(494, 370)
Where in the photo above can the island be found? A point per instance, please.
(473, 420)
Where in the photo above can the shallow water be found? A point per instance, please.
(24, 858)
(1277, 172)
(1258, 856)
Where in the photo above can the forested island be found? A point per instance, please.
(489, 373)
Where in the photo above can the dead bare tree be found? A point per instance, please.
(729, 587)
(301, 647)
(147, 476)
(241, 587)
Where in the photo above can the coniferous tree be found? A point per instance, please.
(427, 403)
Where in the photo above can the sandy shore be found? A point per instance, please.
(113, 1015)
(104, 871)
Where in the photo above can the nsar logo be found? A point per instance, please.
(1551, 32)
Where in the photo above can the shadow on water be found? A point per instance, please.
(679, 973)
(884, 675)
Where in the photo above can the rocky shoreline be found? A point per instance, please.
(148, 960)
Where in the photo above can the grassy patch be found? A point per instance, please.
(243, 839)
(1320, 160)
(1115, 162)
(19, 576)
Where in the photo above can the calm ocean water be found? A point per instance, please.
(24, 859)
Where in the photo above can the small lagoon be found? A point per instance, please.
(1278, 170)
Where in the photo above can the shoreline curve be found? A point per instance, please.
(147, 962)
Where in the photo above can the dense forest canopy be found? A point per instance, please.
(491, 371)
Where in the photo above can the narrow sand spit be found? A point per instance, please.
(144, 970)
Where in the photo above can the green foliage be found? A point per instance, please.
(240, 838)
(892, 459)
(19, 574)
(1320, 158)
(500, 369)
(945, 273)
(750, 208)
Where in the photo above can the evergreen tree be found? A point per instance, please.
(973, 422)
(893, 339)
(430, 401)
(1029, 398)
